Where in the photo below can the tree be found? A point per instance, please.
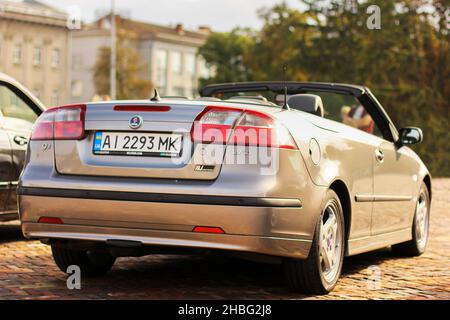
(285, 37)
(130, 67)
(405, 63)
(228, 54)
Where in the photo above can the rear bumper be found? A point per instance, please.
(282, 247)
(272, 226)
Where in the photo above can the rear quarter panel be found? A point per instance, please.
(333, 151)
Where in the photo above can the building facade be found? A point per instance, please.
(169, 54)
(34, 49)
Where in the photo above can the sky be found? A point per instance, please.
(220, 15)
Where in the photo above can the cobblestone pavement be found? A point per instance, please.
(27, 271)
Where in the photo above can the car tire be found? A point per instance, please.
(417, 245)
(309, 276)
(91, 263)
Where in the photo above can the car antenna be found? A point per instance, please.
(285, 105)
(156, 96)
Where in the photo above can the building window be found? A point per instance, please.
(77, 62)
(55, 98)
(77, 88)
(176, 62)
(56, 58)
(37, 93)
(37, 56)
(17, 54)
(178, 91)
(191, 64)
(161, 68)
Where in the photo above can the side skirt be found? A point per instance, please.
(361, 245)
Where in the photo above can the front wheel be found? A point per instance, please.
(320, 272)
(91, 263)
(416, 246)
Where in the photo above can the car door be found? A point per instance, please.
(17, 116)
(395, 175)
(393, 189)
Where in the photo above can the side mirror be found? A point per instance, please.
(410, 135)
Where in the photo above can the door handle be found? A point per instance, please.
(20, 140)
(379, 155)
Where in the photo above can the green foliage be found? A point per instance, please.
(405, 63)
(228, 54)
(283, 38)
(129, 67)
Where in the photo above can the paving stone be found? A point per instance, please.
(27, 271)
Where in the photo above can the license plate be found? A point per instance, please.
(138, 144)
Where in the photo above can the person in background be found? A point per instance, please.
(357, 117)
(98, 98)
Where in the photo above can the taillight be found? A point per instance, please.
(142, 108)
(43, 128)
(51, 220)
(235, 126)
(69, 123)
(62, 123)
(202, 229)
(254, 129)
(214, 125)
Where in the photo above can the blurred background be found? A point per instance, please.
(61, 51)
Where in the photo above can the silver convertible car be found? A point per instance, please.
(296, 173)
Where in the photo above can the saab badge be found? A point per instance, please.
(136, 122)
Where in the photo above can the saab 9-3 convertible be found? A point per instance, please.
(299, 173)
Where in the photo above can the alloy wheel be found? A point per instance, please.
(330, 243)
(421, 217)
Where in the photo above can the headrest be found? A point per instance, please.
(310, 103)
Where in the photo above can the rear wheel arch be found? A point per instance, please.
(341, 190)
(320, 271)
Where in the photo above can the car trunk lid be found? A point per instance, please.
(163, 121)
